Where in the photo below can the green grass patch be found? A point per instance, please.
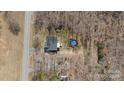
(100, 47)
(54, 76)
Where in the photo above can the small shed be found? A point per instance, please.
(64, 78)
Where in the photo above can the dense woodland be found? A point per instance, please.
(102, 37)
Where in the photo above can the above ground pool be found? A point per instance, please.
(73, 42)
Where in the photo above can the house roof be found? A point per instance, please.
(51, 43)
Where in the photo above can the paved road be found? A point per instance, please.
(25, 63)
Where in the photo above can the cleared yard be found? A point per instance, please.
(11, 46)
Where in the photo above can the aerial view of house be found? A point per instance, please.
(62, 45)
(77, 45)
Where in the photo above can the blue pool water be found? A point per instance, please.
(73, 42)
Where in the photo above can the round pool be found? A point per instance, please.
(73, 42)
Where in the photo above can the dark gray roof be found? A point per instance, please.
(51, 43)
